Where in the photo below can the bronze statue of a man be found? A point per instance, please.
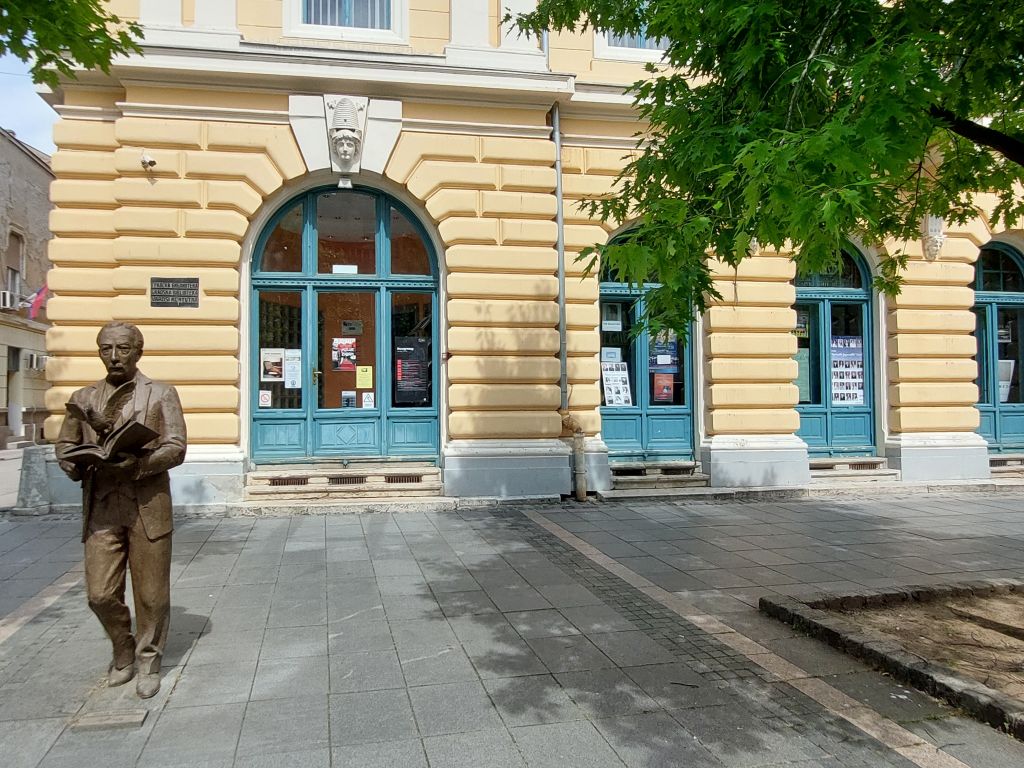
(126, 501)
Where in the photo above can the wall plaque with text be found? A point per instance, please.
(174, 292)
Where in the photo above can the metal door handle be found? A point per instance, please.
(316, 377)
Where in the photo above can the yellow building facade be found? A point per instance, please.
(340, 226)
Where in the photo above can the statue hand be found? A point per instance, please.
(71, 470)
(126, 468)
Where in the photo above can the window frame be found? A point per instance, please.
(603, 49)
(398, 34)
(19, 271)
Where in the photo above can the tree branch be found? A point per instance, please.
(1008, 146)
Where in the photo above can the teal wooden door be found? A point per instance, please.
(999, 312)
(344, 332)
(835, 361)
(647, 408)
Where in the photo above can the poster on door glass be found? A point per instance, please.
(847, 370)
(615, 378)
(293, 369)
(343, 354)
(664, 353)
(412, 370)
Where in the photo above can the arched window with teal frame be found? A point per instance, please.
(999, 316)
(835, 358)
(344, 339)
(646, 379)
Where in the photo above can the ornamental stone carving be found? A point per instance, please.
(346, 121)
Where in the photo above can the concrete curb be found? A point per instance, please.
(813, 616)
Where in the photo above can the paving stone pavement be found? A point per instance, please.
(479, 638)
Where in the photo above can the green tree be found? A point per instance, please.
(802, 123)
(57, 35)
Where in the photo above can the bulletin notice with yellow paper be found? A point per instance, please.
(364, 377)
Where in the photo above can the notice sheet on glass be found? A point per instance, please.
(847, 370)
(664, 353)
(293, 369)
(615, 378)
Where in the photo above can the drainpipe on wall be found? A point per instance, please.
(556, 137)
(579, 462)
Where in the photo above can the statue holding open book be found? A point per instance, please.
(120, 437)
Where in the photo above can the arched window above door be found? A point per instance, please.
(356, 233)
(848, 273)
(999, 269)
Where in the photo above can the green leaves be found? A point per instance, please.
(57, 35)
(807, 124)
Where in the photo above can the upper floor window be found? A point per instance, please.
(14, 263)
(636, 47)
(371, 21)
(362, 14)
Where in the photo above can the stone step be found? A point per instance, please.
(653, 469)
(1011, 470)
(340, 476)
(820, 476)
(1007, 460)
(336, 494)
(620, 482)
(859, 463)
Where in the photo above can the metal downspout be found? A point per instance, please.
(563, 355)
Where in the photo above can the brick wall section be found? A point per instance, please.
(116, 225)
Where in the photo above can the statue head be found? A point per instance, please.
(346, 132)
(346, 144)
(120, 347)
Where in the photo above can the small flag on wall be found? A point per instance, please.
(36, 301)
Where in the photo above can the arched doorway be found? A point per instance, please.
(999, 309)
(646, 382)
(344, 331)
(835, 360)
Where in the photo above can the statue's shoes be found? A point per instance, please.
(116, 677)
(147, 684)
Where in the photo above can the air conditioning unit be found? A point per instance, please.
(8, 300)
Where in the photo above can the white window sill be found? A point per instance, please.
(345, 34)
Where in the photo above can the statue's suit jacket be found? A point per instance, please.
(157, 406)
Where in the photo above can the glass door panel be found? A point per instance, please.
(1008, 344)
(846, 352)
(808, 353)
(346, 229)
(280, 350)
(346, 327)
(665, 371)
(411, 344)
(618, 374)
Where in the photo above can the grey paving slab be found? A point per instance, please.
(606, 693)
(223, 683)
(429, 666)
(371, 716)
(453, 708)
(532, 700)
(284, 725)
(291, 678)
(568, 654)
(493, 748)
(306, 758)
(388, 754)
(365, 671)
(654, 740)
(294, 642)
(631, 649)
(191, 735)
(542, 623)
(565, 745)
(24, 743)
